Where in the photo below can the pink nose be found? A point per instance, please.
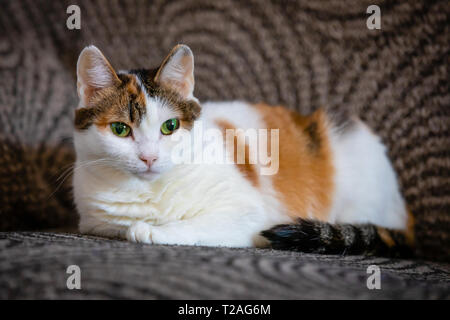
(148, 160)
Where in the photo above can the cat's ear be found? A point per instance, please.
(94, 73)
(177, 71)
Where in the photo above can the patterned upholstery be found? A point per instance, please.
(33, 265)
(303, 54)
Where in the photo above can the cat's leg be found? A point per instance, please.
(218, 229)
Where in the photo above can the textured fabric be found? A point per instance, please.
(34, 265)
(303, 54)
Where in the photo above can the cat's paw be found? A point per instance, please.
(140, 232)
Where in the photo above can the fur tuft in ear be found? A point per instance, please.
(177, 71)
(94, 73)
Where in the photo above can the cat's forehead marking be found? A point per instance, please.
(137, 106)
(124, 103)
(188, 110)
(128, 102)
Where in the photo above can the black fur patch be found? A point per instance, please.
(315, 141)
(341, 119)
(320, 237)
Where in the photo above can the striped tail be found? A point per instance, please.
(321, 237)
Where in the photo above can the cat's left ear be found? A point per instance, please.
(177, 71)
(94, 73)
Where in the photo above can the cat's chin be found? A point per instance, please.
(148, 175)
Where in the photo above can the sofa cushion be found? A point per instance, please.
(34, 265)
(303, 54)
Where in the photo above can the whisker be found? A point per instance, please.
(63, 177)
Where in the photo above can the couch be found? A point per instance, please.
(302, 54)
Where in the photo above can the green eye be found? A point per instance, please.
(170, 126)
(120, 129)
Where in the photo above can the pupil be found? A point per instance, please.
(170, 125)
(119, 129)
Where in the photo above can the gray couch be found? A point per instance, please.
(303, 54)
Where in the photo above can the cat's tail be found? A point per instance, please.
(321, 237)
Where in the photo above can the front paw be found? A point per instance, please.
(140, 232)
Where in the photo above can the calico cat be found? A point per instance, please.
(324, 185)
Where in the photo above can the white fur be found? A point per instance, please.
(207, 204)
(183, 204)
(213, 204)
(366, 189)
(200, 204)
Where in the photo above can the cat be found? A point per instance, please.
(328, 185)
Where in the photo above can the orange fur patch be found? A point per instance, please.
(305, 177)
(113, 105)
(247, 169)
(119, 110)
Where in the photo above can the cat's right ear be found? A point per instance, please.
(94, 73)
(177, 71)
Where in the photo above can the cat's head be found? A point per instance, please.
(125, 119)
